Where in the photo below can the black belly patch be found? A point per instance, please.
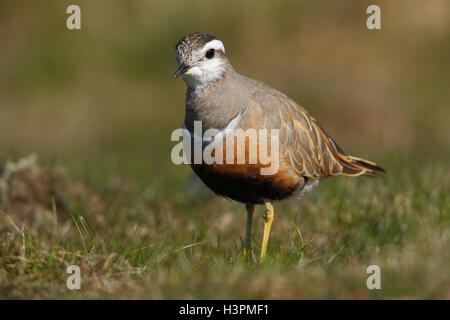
(245, 188)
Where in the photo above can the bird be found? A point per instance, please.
(220, 98)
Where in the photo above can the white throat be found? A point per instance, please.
(208, 71)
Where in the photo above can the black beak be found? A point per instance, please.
(182, 68)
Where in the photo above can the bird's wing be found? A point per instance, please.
(303, 143)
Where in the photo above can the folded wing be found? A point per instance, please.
(304, 144)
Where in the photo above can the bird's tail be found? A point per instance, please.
(353, 166)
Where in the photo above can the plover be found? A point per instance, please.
(222, 99)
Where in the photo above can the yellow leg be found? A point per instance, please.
(268, 218)
(248, 230)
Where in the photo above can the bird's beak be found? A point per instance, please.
(182, 68)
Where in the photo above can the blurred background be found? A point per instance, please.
(101, 102)
(104, 96)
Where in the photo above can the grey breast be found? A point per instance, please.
(220, 103)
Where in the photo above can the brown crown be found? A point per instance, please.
(192, 42)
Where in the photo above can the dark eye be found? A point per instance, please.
(210, 53)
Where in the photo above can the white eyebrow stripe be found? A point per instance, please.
(214, 44)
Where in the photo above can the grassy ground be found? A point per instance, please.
(133, 243)
(98, 105)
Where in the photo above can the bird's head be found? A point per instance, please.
(201, 59)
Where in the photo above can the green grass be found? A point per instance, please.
(132, 243)
(98, 106)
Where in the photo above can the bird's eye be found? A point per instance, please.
(210, 53)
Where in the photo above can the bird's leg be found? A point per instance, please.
(268, 218)
(248, 230)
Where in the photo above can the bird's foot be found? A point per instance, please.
(268, 218)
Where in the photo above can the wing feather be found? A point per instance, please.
(303, 143)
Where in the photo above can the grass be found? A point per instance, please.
(131, 243)
(98, 106)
